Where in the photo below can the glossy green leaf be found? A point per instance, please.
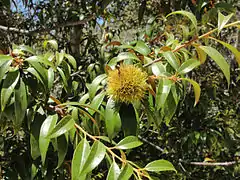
(35, 152)
(163, 89)
(39, 59)
(79, 158)
(46, 128)
(94, 158)
(64, 125)
(41, 71)
(142, 48)
(26, 49)
(59, 58)
(4, 58)
(71, 60)
(122, 56)
(8, 87)
(112, 119)
(96, 102)
(20, 104)
(53, 43)
(93, 87)
(62, 146)
(219, 59)
(33, 171)
(188, 66)
(126, 172)
(172, 59)
(222, 20)
(113, 172)
(197, 89)
(4, 67)
(231, 48)
(158, 69)
(190, 15)
(129, 142)
(50, 78)
(160, 165)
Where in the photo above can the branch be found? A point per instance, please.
(214, 164)
(24, 31)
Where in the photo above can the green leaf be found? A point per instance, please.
(71, 60)
(35, 73)
(50, 78)
(93, 87)
(188, 66)
(59, 58)
(163, 89)
(46, 128)
(64, 79)
(112, 119)
(26, 49)
(8, 87)
(219, 59)
(53, 43)
(202, 56)
(231, 48)
(20, 104)
(129, 142)
(35, 152)
(222, 20)
(4, 67)
(142, 48)
(122, 56)
(33, 171)
(39, 59)
(64, 125)
(160, 165)
(128, 119)
(126, 172)
(95, 156)
(113, 172)
(41, 70)
(96, 102)
(79, 158)
(197, 89)
(62, 146)
(4, 58)
(172, 59)
(158, 69)
(191, 16)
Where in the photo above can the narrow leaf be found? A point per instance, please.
(71, 60)
(222, 20)
(122, 56)
(113, 172)
(191, 16)
(8, 87)
(50, 78)
(197, 89)
(79, 158)
(47, 126)
(64, 125)
(126, 172)
(219, 59)
(62, 146)
(172, 59)
(95, 156)
(142, 48)
(163, 89)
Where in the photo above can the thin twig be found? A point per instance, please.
(214, 163)
(151, 144)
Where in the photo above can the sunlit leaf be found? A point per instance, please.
(172, 59)
(64, 125)
(190, 15)
(71, 60)
(94, 158)
(126, 172)
(188, 66)
(197, 89)
(53, 43)
(219, 59)
(222, 20)
(160, 165)
(129, 142)
(113, 172)
(46, 128)
(122, 56)
(163, 89)
(142, 48)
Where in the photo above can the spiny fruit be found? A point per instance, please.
(127, 84)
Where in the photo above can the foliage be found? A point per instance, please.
(59, 120)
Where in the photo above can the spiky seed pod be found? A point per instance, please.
(127, 84)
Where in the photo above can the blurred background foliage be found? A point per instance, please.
(90, 31)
